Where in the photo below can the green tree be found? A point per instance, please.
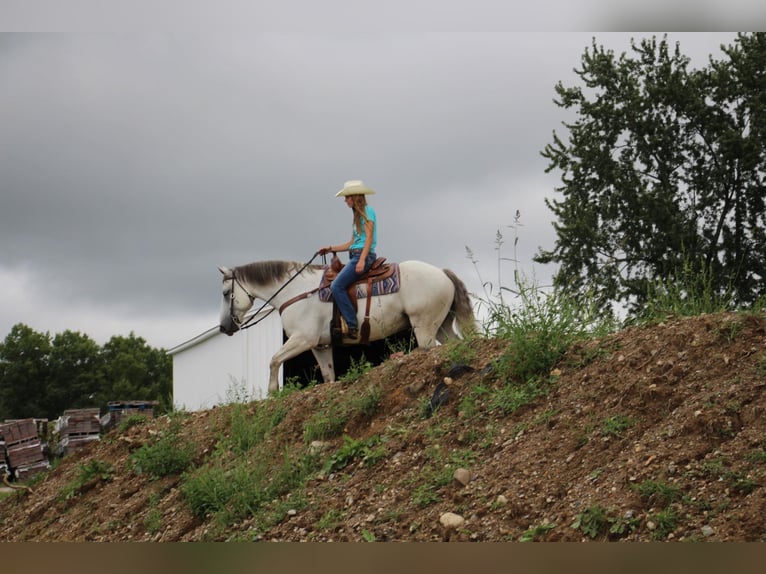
(663, 171)
(42, 377)
(24, 373)
(75, 373)
(135, 371)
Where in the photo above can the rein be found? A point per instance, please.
(250, 322)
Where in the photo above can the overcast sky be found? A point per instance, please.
(133, 164)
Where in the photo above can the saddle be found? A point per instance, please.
(378, 271)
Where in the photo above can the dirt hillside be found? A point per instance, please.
(653, 433)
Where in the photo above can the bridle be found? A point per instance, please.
(250, 322)
(232, 298)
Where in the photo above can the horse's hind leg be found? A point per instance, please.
(425, 330)
(323, 355)
(447, 331)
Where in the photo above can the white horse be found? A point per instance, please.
(429, 300)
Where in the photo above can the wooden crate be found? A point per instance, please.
(120, 410)
(25, 453)
(79, 422)
(31, 469)
(15, 431)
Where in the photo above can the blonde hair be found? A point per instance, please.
(360, 214)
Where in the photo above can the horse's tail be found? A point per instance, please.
(461, 305)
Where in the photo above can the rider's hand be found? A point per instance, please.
(359, 267)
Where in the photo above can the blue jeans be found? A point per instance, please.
(344, 279)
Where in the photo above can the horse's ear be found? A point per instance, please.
(225, 270)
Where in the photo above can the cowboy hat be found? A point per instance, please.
(354, 187)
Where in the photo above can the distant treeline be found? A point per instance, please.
(41, 375)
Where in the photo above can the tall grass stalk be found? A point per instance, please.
(688, 292)
(540, 324)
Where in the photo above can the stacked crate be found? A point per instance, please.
(23, 448)
(120, 410)
(78, 428)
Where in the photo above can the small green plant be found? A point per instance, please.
(330, 519)
(543, 325)
(596, 521)
(510, 397)
(471, 403)
(401, 345)
(658, 492)
(460, 351)
(168, 454)
(153, 519)
(368, 536)
(593, 521)
(247, 486)
(238, 391)
(688, 292)
(130, 422)
(535, 532)
(88, 476)
(356, 370)
(250, 424)
(616, 425)
(368, 402)
(368, 451)
(665, 522)
(757, 456)
(762, 364)
(324, 425)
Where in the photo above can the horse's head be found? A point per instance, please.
(236, 302)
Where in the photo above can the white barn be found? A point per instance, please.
(213, 368)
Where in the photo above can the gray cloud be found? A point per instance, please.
(132, 165)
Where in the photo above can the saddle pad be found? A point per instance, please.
(379, 287)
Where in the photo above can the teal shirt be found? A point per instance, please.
(357, 241)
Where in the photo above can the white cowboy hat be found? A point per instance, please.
(354, 187)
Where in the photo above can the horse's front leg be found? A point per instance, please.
(293, 347)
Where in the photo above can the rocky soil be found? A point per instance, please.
(656, 433)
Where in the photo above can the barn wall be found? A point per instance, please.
(210, 368)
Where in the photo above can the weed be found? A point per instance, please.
(153, 519)
(368, 536)
(535, 532)
(439, 473)
(171, 453)
(471, 404)
(510, 397)
(459, 351)
(368, 402)
(597, 521)
(757, 456)
(690, 291)
(394, 346)
(244, 488)
(593, 521)
(369, 451)
(249, 425)
(762, 364)
(130, 422)
(658, 492)
(325, 424)
(665, 522)
(356, 370)
(330, 519)
(89, 475)
(615, 425)
(543, 326)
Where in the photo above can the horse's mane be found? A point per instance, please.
(266, 272)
